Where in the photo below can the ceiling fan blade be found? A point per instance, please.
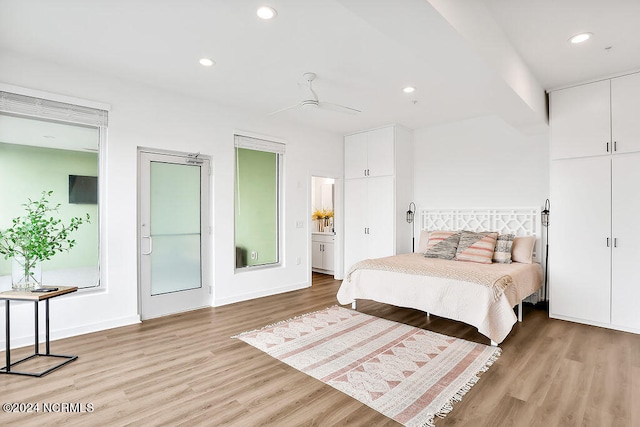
(338, 107)
(284, 109)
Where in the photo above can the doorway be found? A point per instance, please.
(323, 225)
(173, 233)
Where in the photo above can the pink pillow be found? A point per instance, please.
(522, 249)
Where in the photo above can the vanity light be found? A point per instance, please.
(409, 89)
(579, 38)
(206, 62)
(266, 12)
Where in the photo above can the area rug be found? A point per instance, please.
(406, 373)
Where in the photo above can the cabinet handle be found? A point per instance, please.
(608, 242)
(607, 147)
(615, 145)
(615, 242)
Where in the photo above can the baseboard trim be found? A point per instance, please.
(264, 293)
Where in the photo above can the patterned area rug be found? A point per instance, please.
(408, 374)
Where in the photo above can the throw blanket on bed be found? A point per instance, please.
(489, 275)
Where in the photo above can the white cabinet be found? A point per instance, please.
(625, 232)
(369, 231)
(625, 113)
(322, 258)
(369, 153)
(594, 232)
(377, 193)
(580, 225)
(594, 119)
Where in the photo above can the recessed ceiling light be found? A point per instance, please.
(409, 89)
(266, 12)
(579, 38)
(206, 62)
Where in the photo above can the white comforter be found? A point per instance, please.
(477, 304)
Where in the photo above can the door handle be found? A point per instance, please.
(150, 245)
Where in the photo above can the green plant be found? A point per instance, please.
(38, 236)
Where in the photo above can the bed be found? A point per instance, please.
(482, 295)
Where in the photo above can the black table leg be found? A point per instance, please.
(36, 345)
(8, 337)
(46, 311)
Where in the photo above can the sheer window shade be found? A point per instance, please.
(12, 103)
(250, 143)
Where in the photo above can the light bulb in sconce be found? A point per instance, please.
(544, 215)
(411, 212)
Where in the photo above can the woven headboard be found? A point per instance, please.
(519, 221)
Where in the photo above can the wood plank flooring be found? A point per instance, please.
(186, 370)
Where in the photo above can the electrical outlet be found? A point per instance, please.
(298, 260)
(300, 224)
(254, 255)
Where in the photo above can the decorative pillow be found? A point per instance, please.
(423, 242)
(502, 252)
(442, 244)
(522, 250)
(476, 247)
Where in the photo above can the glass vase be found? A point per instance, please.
(26, 274)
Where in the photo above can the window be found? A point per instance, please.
(257, 202)
(52, 146)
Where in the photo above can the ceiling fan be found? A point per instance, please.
(310, 99)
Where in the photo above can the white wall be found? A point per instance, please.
(480, 163)
(142, 116)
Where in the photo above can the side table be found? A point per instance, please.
(36, 297)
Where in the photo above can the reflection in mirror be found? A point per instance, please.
(39, 155)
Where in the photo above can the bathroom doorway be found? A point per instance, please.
(323, 225)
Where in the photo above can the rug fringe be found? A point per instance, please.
(448, 407)
(282, 322)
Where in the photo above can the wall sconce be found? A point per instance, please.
(410, 217)
(411, 213)
(544, 217)
(545, 213)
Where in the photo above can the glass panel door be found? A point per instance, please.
(172, 246)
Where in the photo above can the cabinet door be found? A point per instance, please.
(380, 151)
(380, 217)
(625, 113)
(316, 255)
(580, 121)
(355, 155)
(328, 256)
(579, 234)
(355, 211)
(625, 274)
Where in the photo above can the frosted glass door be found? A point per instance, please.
(172, 245)
(175, 227)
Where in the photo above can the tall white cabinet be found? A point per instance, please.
(378, 190)
(594, 232)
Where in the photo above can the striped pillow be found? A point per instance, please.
(502, 252)
(476, 247)
(442, 244)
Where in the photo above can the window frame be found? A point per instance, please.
(41, 105)
(264, 144)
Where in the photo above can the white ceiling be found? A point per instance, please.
(364, 52)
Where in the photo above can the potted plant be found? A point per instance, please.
(35, 237)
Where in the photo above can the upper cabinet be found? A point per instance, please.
(625, 113)
(369, 153)
(596, 119)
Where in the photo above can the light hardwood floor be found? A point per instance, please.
(186, 370)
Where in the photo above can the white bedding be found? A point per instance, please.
(473, 303)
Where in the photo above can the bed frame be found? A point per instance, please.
(518, 221)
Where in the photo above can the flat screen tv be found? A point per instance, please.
(83, 189)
